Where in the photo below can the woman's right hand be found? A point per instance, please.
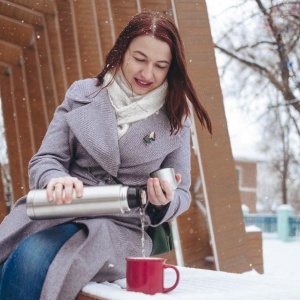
(61, 189)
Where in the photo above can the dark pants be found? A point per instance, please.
(22, 275)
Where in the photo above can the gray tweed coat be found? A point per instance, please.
(82, 141)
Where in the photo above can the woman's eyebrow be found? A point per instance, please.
(143, 54)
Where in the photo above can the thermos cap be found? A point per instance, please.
(136, 197)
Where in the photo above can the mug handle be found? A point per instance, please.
(165, 290)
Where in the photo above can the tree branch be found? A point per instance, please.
(253, 65)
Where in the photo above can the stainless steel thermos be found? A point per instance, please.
(95, 201)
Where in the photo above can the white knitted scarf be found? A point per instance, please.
(131, 107)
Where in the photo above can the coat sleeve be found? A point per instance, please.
(180, 160)
(54, 156)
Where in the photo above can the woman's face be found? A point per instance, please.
(146, 64)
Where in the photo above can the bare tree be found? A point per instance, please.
(260, 43)
(272, 53)
(281, 157)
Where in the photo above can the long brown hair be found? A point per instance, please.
(180, 87)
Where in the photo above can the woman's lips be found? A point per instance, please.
(142, 84)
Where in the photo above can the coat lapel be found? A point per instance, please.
(134, 150)
(94, 125)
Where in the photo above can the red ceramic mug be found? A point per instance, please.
(146, 275)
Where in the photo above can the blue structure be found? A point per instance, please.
(284, 224)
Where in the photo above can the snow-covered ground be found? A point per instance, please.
(281, 258)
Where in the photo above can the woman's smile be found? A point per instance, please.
(142, 84)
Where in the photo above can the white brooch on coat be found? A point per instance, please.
(149, 137)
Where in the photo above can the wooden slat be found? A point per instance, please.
(15, 32)
(17, 103)
(9, 54)
(12, 129)
(24, 147)
(44, 64)
(163, 6)
(84, 23)
(43, 6)
(56, 58)
(104, 29)
(3, 211)
(228, 230)
(194, 237)
(67, 41)
(255, 250)
(122, 12)
(36, 96)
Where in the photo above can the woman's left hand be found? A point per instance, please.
(160, 193)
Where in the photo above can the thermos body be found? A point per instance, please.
(95, 201)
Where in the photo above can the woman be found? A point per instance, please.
(129, 121)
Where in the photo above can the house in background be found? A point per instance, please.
(246, 170)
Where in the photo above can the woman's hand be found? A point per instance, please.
(160, 193)
(61, 189)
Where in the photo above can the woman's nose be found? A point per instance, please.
(147, 72)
